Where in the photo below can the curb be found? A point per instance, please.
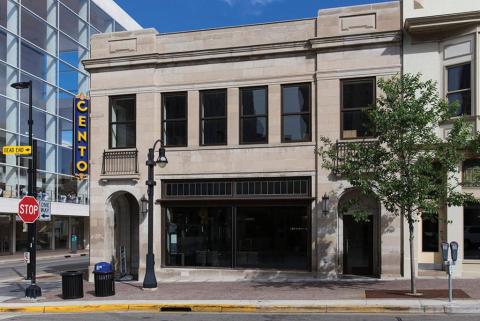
(239, 308)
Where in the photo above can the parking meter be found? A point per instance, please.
(445, 251)
(454, 249)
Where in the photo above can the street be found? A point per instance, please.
(15, 270)
(237, 317)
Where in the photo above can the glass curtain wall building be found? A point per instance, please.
(44, 41)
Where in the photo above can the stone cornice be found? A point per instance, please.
(440, 22)
(315, 44)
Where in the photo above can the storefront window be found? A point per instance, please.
(77, 229)
(199, 236)
(44, 235)
(471, 233)
(20, 236)
(61, 232)
(430, 234)
(5, 234)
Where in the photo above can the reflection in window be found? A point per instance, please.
(67, 189)
(8, 114)
(72, 25)
(61, 232)
(71, 52)
(65, 132)
(459, 88)
(71, 80)
(253, 115)
(175, 119)
(38, 32)
(39, 122)
(99, 19)
(213, 120)
(44, 96)
(8, 75)
(65, 103)
(65, 160)
(38, 63)
(471, 173)
(122, 122)
(78, 6)
(199, 236)
(119, 27)
(358, 95)
(46, 9)
(471, 232)
(430, 237)
(296, 113)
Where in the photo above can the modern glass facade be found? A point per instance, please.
(45, 41)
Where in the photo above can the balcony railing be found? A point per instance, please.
(121, 162)
(345, 153)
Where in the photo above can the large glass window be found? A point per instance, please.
(8, 181)
(64, 160)
(296, 113)
(358, 95)
(44, 95)
(8, 75)
(99, 19)
(44, 235)
(38, 63)
(7, 139)
(70, 51)
(122, 122)
(253, 115)
(78, 6)
(72, 25)
(46, 9)
(71, 80)
(67, 189)
(430, 237)
(65, 104)
(175, 119)
(65, 128)
(199, 236)
(9, 15)
(8, 114)
(213, 120)
(459, 88)
(61, 232)
(39, 122)
(38, 32)
(471, 232)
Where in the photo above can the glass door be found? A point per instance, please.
(357, 246)
(5, 234)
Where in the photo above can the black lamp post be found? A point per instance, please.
(325, 200)
(33, 291)
(150, 281)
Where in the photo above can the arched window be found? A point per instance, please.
(471, 173)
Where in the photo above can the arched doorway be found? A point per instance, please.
(126, 235)
(361, 246)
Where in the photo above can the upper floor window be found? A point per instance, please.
(174, 119)
(296, 112)
(122, 121)
(471, 173)
(358, 95)
(213, 117)
(253, 115)
(459, 88)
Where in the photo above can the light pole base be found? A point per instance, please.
(33, 291)
(150, 280)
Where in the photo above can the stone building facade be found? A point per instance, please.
(241, 111)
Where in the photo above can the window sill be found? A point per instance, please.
(112, 177)
(470, 261)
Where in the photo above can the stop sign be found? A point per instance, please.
(28, 209)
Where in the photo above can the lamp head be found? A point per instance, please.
(325, 204)
(162, 160)
(21, 85)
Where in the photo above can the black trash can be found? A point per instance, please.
(72, 285)
(104, 282)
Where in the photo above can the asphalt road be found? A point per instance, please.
(15, 270)
(236, 317)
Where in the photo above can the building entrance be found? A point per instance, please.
(5, 234)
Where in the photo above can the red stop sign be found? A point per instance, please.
(28, 209)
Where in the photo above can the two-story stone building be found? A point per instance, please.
(240, 111)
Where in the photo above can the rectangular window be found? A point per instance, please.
(213, 117)
(459, 88)
(296, 113)
(253, 115)
(358, 95)
(471, 233)
(430, 234)
(174, 119)
(122, 122)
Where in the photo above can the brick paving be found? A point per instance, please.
(246, 290)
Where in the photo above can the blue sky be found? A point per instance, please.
(182, 15)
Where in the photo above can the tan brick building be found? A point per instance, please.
(240, 110)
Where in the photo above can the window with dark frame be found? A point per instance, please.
(459, 88)
(296, 113)
(174, 119)
(358, 95)
(213, 117)
(253, 115)
(430, 236)
(122, 122)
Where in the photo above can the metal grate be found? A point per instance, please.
(345, 153)
(240, 188)
(471, 173)
(120, 162)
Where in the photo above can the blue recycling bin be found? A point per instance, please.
(104, 282)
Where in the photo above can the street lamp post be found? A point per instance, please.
(33, 291)
(150, 281)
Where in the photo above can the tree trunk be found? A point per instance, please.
(413, 278)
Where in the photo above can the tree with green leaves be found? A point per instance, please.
(406, 164)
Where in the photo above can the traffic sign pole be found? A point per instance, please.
(33, 291)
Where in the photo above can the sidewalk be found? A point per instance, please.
(43, 255)
(251, 296)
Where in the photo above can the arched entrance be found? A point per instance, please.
(126, 235)
(361, 246)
